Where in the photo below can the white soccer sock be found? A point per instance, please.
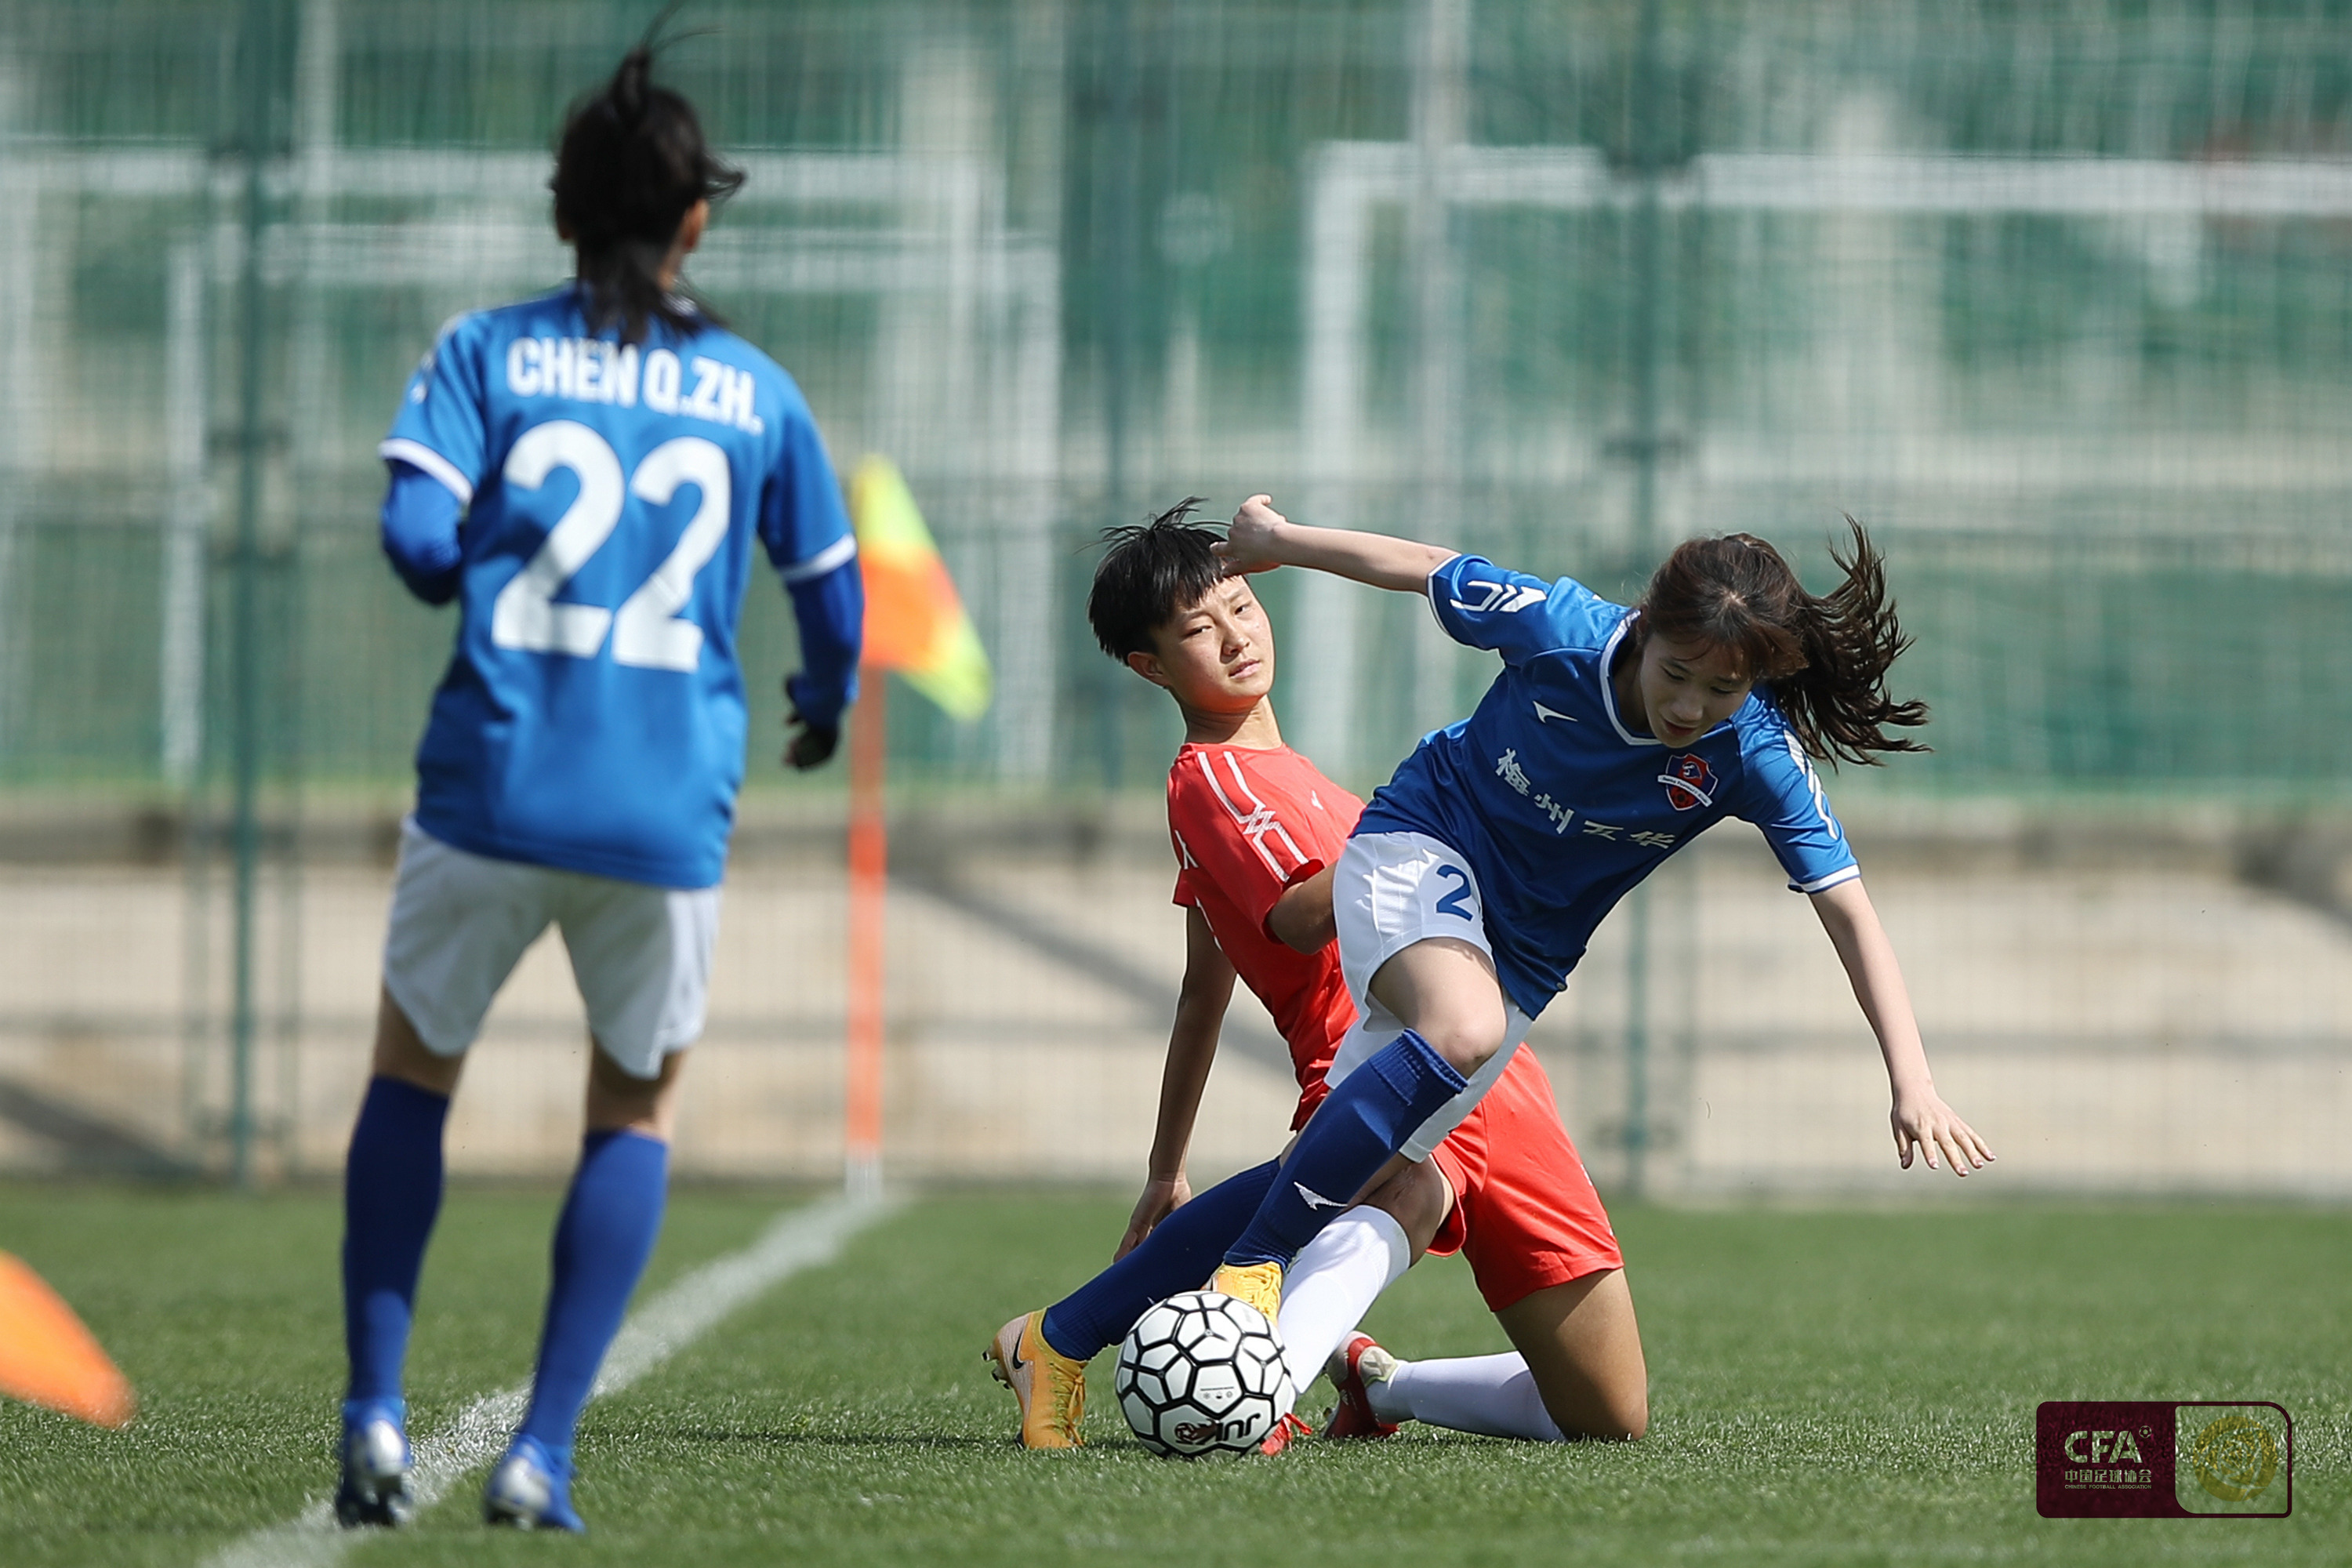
(1495, 1395)
(1334, 1282)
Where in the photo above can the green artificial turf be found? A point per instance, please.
(1831, 1388)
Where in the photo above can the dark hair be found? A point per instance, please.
(1151, 572)
(1825, 659)
(630, 164)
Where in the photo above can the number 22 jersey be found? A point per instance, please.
(592, 716)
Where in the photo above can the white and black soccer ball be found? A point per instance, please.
(1202, 1373)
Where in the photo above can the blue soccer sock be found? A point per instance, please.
(1364, 1121)
(392, 1193)
(1180, 1253)
(601, 1241)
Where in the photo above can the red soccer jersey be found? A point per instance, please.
(1247, 825)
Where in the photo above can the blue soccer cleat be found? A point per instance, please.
(531, 1489)
(375, 1457)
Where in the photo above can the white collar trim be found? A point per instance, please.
(1609, 687)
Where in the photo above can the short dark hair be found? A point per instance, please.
(629, 166)
(1148, 573)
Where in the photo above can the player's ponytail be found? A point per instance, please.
(1824, 658)
(629, 166)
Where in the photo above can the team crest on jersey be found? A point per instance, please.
(1690, 783)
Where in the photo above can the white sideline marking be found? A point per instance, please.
(802, 1239)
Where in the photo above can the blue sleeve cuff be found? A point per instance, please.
(420, 532)
(831, 609)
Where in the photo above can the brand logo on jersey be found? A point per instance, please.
(1260, 822)
(1501, 598)
(1543, 713)
(1690, 783)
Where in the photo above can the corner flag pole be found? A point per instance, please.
(915, 624)
(869, 857)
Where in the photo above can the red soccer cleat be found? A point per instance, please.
(1355, 1363)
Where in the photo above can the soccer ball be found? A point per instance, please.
(1202, 1373)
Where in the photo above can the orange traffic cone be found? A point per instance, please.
(47, 1357)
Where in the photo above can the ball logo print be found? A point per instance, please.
(1690, 783)
(1202, 1373)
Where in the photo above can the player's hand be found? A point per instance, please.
(811, 744)
(1249, 545)
(1925, 1124)
(1163, 1195)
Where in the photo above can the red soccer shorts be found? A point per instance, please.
(1525, 1213)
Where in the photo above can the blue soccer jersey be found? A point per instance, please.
(592, 717)
(1558, 806)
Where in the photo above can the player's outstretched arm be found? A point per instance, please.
(1262, 538)
(1921, 1118)
(1191, 1049)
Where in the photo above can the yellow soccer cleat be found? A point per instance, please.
(1051, 1387)
(1259, 1284)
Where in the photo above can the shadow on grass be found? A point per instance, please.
(940, 1441)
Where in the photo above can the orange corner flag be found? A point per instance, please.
(47, 1357)
(915, 624)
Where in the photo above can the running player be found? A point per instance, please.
(1611, 737)
(613, 452)
(1255, 828)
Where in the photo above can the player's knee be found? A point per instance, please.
(1466, 1038)
(1418, 1199)
(1628, 1419)
(1618, 1414)
(401, 1052)
(619, 1101)
(1601, 1415)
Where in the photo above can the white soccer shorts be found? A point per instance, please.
(1389, 891)
(460, 921)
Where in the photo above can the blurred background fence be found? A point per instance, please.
(2058, 300)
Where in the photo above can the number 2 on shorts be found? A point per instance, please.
(1458, 903)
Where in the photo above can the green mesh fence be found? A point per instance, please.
(2058, 303)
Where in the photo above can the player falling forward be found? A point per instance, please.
(1613, 737)
(1254, 827)
(615, 452)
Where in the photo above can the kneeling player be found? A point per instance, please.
(1255, 828)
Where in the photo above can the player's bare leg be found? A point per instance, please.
(400, 1053)
(1578, 1373)
(1584, 1347)
(1444, 990)
(618, 1102)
